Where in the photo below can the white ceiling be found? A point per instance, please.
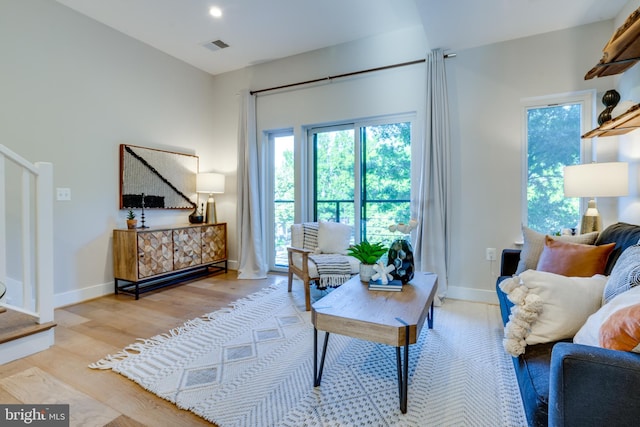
(260, 30)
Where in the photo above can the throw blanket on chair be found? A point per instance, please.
(333, 269)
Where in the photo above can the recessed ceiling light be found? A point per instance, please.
(215, 12)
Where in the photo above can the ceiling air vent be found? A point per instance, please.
(215, 45)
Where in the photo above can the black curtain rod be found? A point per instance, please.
(354, 73)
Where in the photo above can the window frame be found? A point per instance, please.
(356, 126)
(587, 149)
(269, 138)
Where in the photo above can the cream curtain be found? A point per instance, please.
(252, 262)
(433, 202)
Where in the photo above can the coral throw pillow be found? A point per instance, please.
(621, 331)
(573, 259)
(616, 325)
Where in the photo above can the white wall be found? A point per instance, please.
(72, 91)
(486, 86)
(629, 88)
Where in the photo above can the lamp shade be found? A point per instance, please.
(597, 180)
(210, 183)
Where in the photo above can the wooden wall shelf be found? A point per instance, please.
(620, 125)
(622, 51)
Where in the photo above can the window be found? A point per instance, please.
(552, 142)
(361, 175)
(282, 201)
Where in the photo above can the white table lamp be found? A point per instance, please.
(595, 180)
(210, 183)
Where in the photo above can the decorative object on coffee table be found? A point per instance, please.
(368, 254)
(401, 257)
(383, 279)
(404, 228)
(383, 274)
(401, 252)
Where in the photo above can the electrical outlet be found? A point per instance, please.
(491, 254)
(63, 194)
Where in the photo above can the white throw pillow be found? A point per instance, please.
(548, 307)
(334, 237)
(589, 333)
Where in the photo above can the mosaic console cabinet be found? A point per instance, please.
(151, 258)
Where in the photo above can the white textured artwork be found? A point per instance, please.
(167, 179)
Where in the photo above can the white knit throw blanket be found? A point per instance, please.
(334, 270)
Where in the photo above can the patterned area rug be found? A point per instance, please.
(252, 365)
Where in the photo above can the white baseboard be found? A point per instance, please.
(470, 294)
(96, 291)
(80, 295)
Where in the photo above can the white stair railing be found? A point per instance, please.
(33, 221)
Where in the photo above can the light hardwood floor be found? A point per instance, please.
(88, 331)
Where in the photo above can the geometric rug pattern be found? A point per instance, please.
(252, 365)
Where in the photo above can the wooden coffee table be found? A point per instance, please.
(392, 318)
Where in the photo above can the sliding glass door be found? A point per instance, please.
(361, 176)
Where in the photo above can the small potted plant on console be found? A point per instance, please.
(132, 222)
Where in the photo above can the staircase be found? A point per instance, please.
(26, 256)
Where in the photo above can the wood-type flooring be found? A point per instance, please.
(88, 331)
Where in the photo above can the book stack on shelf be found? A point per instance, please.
(392, 285)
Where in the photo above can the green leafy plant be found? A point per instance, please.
(366, 252)
(131, 214)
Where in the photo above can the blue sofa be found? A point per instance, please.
(566, 384)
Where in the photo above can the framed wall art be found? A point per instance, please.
(166, 179)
